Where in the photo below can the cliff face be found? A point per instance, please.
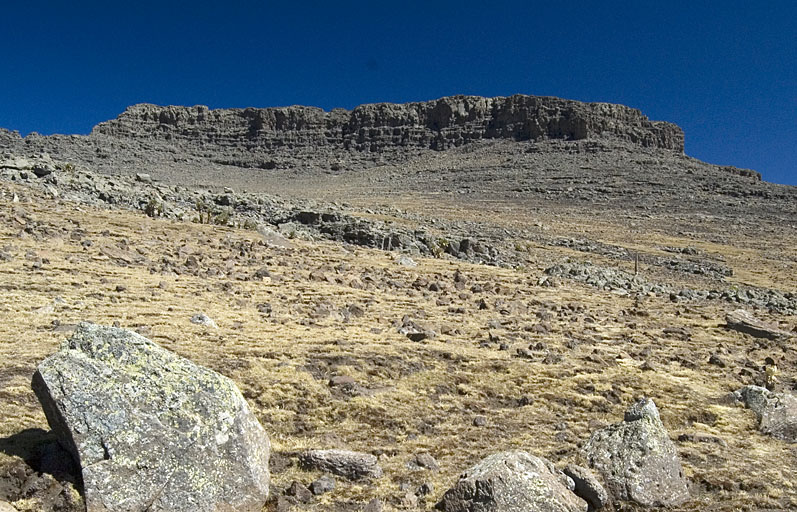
(440, 124)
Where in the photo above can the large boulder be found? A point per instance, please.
(149, 429)
(637, 459)
(513, 481)
(776, 412)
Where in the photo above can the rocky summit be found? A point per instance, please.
(453, 304)
(149, 429)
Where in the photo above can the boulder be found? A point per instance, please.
(776, 412)
(637, 459)
(742, 321)
(149, 429)
(513, 481)
(345, 463)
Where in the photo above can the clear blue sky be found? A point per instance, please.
(725, 71)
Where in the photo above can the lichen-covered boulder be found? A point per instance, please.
(637, 459)
(776, 412)
(514, 481)
(149, 429)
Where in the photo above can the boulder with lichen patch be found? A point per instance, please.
(149, 429)
(637, 459)
(776, 412)
(514, 481)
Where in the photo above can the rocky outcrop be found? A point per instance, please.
(637, 459)
(440, 124)
(151, 430)
(513, 481)
(776, 412)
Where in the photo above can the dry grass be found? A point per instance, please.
(415, 397)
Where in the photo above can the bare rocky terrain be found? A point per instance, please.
(429, 284)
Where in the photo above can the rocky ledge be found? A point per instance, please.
(439, 124)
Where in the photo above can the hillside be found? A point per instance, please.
(553, 261)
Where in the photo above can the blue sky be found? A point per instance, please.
(724, 71)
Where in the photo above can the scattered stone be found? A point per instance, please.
(286, 503)
(406, 261)
(637, 459)
(716, 360)
(479, 421)
(151, 430)
(273, 238)
(203, 319)
(513, 481)
(424, 489)
(425, 461)
(143, 177)
(322, 485)
(342, 380)
(587, 487)
(776, 412)
(299, 491)
(375, 505)
(742, 321)
(701, 438)
(409, 500)
(345, 463)
(415, 332)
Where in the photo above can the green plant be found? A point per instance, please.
(154, 208)
(222, 218)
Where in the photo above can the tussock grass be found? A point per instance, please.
(413, 397)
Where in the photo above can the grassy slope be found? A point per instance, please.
(415, 396)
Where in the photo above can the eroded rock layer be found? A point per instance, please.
(439, 124)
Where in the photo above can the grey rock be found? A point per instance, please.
(424, 489)
(272, 237)
(637, 459)
(513, 481)
(322, 485)
(425, 461)
(409, 500)
(151, 430)
(203, 319)
(776, 412)
(299, 491)
(587, 486)
(742, 321)
(406, 261)
(345, 463)
(375, 505)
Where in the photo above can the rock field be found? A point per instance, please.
(467, 304)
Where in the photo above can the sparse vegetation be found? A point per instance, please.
(593, 354)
